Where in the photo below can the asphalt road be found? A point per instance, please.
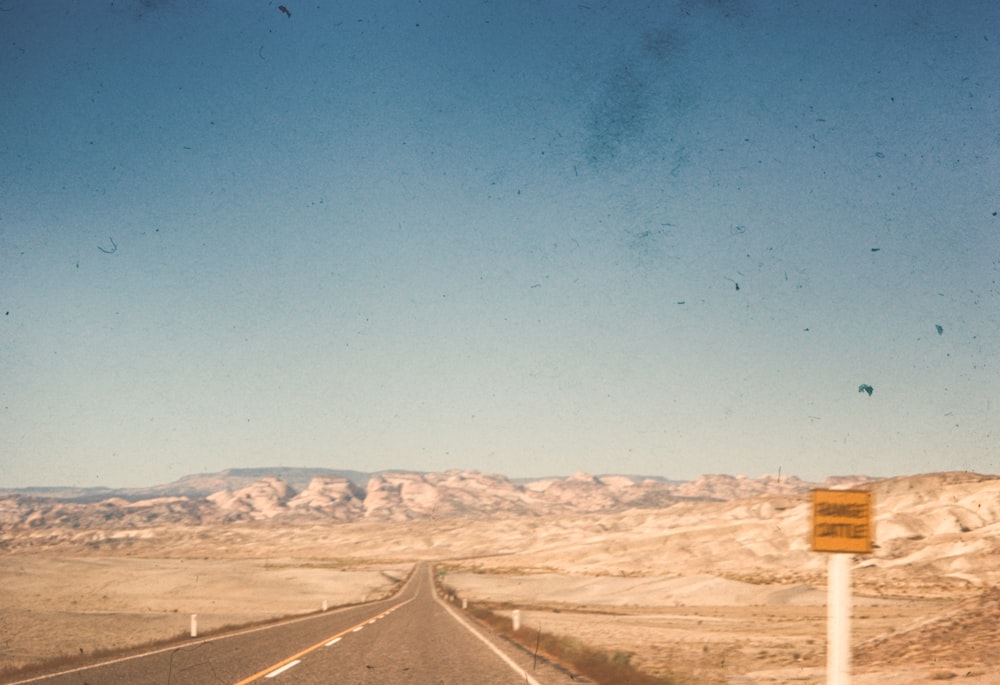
(415, 637)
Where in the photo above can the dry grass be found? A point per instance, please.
(605, 668)
(601, 666)
(117, 606)
(68, 662)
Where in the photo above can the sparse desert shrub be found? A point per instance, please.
(604, 668)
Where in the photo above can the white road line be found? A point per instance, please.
(284, 668)
(184, 644)
(332, 642)
(267, 671)
(507, 660)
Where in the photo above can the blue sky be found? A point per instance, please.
(529, 238)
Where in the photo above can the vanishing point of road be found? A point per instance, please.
(413, 637)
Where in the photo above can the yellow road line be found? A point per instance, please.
(321, 643)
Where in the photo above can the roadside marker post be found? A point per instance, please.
(841, 524)
(194, 625)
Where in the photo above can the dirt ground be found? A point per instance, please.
(743, 645)
(60, 598)
(717, 631)
(55, 606)
(709, 629)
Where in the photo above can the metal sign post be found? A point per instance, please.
(838, 621)
(842, 524)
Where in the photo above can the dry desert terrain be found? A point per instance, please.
(724, 591)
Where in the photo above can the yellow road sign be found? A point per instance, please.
(842, 521)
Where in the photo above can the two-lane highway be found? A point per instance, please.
(412, 638)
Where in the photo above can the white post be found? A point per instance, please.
(324, 605)
(838, 621)
(465, 603)
(516, 616)
(194, 625)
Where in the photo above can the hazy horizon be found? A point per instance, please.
(267, 471)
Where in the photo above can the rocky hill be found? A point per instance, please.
(338, 496)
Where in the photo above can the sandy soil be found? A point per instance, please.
(54, 605)
(707, 629)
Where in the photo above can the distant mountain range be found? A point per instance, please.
(195, 485)
(320, 494)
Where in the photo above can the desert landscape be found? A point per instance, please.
(708, 581)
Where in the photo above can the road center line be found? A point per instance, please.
(287, 663)
(193, 644)
(284, 668)
(332, 642)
